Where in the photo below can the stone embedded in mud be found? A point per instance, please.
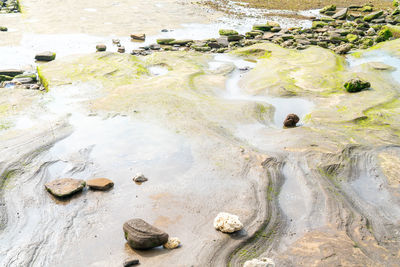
(45, 56)
(356, 85)
(227, 223)
(291, 120)
(65, 187)
(173, 242)
(130, 262)
(138, 37)
(100, 183)
(141, 235)
(101, 47)
(140, 178)
(226, 32)
(263, 262)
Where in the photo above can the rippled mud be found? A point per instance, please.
(206, 129)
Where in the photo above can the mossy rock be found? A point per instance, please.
(5, 78)
(227, 32)
(373, 15)
(3, 29)
(396, 3)
(384, 34)
(319, 24)
(262, 27)
(356, 85)
(352, 38)
(395, 30)
(367, 42)
(328, 8)
(165, 41)
(367, 9)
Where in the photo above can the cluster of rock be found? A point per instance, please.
(66, 187)
(9, 6)
(22, 79)
(354, 27)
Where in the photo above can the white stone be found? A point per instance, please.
(227, 223)
(263, 262)
(173, 242)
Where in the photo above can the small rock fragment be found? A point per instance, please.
(139, 178)
(173, 242)
(356, 85)
(130, 262)
(100, 184)
(227, 223)
(291, 120)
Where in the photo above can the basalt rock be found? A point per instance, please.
(141, 235)
(291, 120)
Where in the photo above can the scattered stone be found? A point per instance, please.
(356, 85)
(225, 32)
(227, 223)
(173, 242)
(121, 49)
(45, 56)
(101, 47)
(141, 235)
(138, 37)
(130, 262)
(65, 187)
(139, 178)
(100, 184)
(291, 121)
(263, 262)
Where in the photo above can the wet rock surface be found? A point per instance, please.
(100, 184)
(141, 235)
(65, 187)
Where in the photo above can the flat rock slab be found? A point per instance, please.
(100, 184)
(11, 72)
(45, 56)
(141, 235)
(65, 187)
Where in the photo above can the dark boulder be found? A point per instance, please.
(291, 120)
(141, 235)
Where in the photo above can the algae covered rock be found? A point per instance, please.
(3, 29)
(227, 32)
(319, 24)
(65, 187)
(384, 34)
(352, 38)
(227, 223)
(396, 2)
(356, 85)
(328, 8)
(141, 235)
(45, 56)
(165, 41)
(373, 15)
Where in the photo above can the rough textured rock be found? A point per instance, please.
(130, 262)
(173, 242)
(100, 184)
(46, 56)
(291, 120)
(138, 37)
(263, 262)
(65, 187)
(356, 85)
(226, 32)
(227, 223)
(140, 178)
(101, 47)
(141, 235)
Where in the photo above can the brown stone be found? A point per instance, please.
(138, 37)
(141, 235)
(65, 187)
(100, 184)
(291, 120)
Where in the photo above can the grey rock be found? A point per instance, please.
(141, 235)
(45, 56)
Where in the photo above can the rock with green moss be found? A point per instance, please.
(181, 42)
(367, 42)
(227, 32)
(262, 27)
(318, 24)
(356, 85)
(11, 72)
(367, 8)
(383, 35)
(373, 15)
(328, 8)
(352, 38)
(4, 78)
(3, 29)
(165, 41)
(235, 38)
(396, 3)
(395, 30)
